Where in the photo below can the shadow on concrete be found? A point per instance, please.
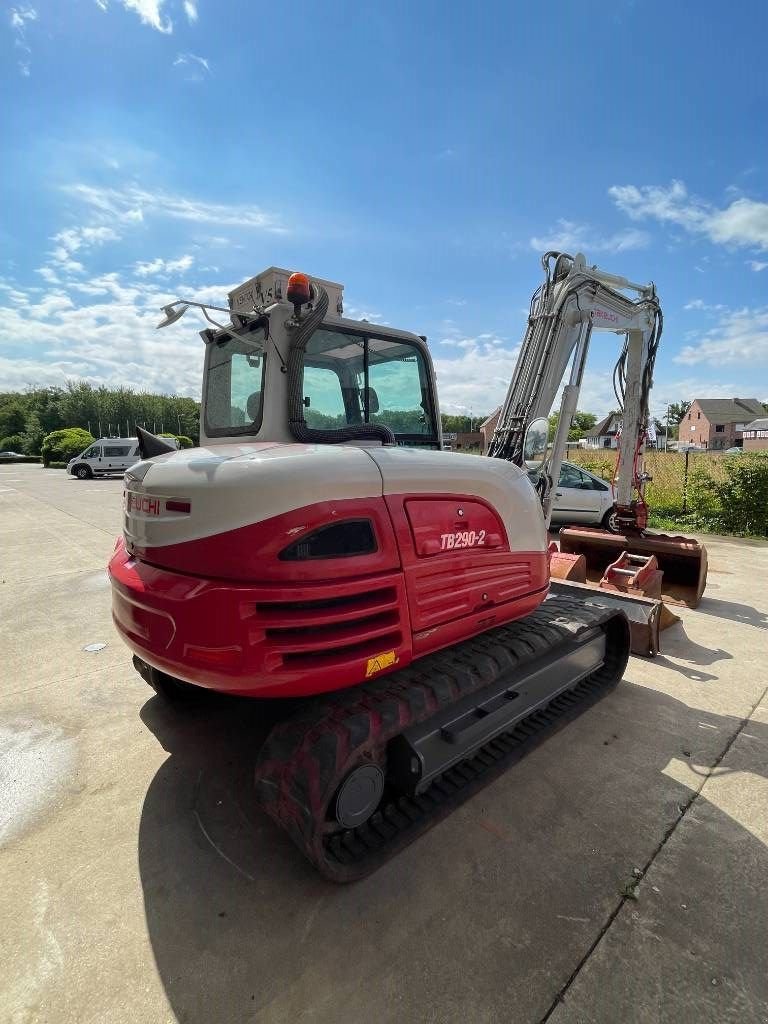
(734, 612)
(528, 872)
(683, 655)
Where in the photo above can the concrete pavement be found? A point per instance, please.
(137, 882)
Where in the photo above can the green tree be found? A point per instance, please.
(580, 424)
(13, 416)
(676, 412)
(13, 443)
(33, 434)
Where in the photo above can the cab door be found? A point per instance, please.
(94, 457)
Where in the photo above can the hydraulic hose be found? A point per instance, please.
(296, 422)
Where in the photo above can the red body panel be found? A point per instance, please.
(225, 613)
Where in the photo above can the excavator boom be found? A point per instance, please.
(573, 301)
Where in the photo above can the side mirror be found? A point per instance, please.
(535, 446)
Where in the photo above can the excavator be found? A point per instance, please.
(321, 546)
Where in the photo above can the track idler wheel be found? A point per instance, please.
(359, 795)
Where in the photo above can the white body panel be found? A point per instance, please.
(234, 485)
(502, 484)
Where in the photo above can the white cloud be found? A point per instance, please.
(73, 239)
(150, 13)
(700, 304)
(569, 236)
(48, 274)
(70, 241)
(359, 313)
(21, 15)
(134, 204)
(190, 9)
(163, 268)
(477, 377)
(197, 67)
(21, 18)
(71, 334)
(757, 265)
(740, 337)
(743, 222)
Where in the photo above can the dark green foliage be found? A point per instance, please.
(581, 423)
(102, 411)
(738, 503)
(63, 445)
(13, 443)
(461, 424)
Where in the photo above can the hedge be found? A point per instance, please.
(183, 440)
(63, 445)
(737, 503)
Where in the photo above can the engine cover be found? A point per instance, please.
(293, 569)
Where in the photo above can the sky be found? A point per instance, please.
(422, 153)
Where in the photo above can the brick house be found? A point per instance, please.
(718, 423)
(487, 428)
(463, 441)
(756, 435)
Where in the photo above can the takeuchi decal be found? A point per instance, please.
(604, 315)
(142, 503)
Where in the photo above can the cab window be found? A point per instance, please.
(91, 453)
(234, 385)
(359, 378)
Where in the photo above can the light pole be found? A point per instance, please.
(666, 434)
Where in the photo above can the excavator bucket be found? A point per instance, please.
(631, 583)
(681, 560)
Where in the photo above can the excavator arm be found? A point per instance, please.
(630, 568)
(573, 301)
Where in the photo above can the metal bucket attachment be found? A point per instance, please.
(682, 561)
(647, 616)
(566, 567)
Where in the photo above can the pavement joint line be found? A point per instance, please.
(669, 832)
(49, 504)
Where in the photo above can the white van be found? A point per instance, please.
(105, 456)
(109, 455)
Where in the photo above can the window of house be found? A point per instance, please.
(719, 428)
(698, 415)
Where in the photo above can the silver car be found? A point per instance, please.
(582, 497)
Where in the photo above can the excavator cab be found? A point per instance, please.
(353, 380)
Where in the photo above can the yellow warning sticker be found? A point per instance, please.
(379, 663)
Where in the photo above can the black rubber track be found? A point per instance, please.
(305, 758)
